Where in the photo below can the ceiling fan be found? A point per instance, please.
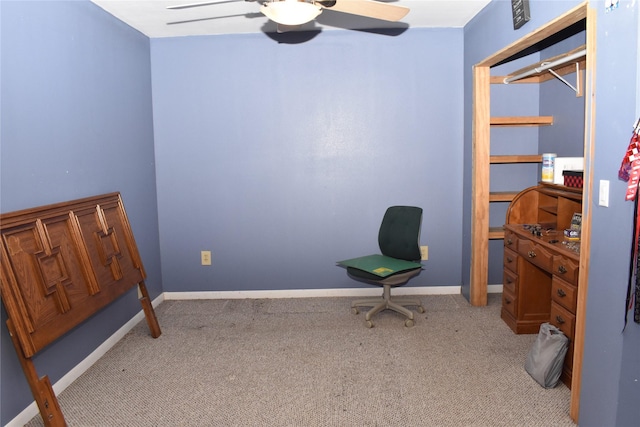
(290, 13)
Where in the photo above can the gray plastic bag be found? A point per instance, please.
(546, 357)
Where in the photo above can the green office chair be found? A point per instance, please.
(398, 239)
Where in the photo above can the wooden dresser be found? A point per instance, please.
(540, 279)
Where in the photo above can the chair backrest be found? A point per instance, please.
(399, 233)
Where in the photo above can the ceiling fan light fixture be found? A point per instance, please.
(290, 12)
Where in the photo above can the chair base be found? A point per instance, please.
(385, 302)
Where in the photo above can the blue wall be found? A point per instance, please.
(282, 159)
(566, 136)
(76, 121)
(611, 389)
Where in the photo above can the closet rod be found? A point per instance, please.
(544, 66)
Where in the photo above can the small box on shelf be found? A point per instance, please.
(571, 235)
(573, 178)
(573, 232)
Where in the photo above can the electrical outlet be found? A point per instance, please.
(205, 257)
(424, 253)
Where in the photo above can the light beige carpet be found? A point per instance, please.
(310, 362)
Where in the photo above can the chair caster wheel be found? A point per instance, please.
(369, 324)
(420, 309)
(408, 323)
(354, 310)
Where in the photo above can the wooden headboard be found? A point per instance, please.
(60, 264)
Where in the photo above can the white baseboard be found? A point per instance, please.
(494, 289)
(32, 410)
(310, 293)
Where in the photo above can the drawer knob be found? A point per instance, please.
(531, 254)
(561, 293)
(562, 269)
(509, 280)
(509, 242)
(560, 320)
(509, 259)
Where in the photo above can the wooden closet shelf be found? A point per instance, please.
(502, 196)
(496, 233)
(522, 121)
(518, 158)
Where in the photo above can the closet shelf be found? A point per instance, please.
(496, 233)
(516, 158)
(502, 196)
(522, 121)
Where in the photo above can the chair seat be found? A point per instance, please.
(397, 279)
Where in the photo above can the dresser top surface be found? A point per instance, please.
(552, 239)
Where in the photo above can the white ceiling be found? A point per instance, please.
(152, 18)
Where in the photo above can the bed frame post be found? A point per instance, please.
(149, 313)
(40, 387)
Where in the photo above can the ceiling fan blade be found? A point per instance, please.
(369, 8)
(188, 21)
(204, 3)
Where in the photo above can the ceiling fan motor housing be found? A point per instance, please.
(290, 12)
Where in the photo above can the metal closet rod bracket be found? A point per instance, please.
(559, 77)
(548, 66)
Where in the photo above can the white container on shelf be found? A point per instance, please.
(548, 160)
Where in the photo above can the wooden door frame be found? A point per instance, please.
(480, 181)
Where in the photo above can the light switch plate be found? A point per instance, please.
(603, 198)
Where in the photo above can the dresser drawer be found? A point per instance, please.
(536, 254)
(510, 240)
(563, 320)
(510, 281)
(564, 293)
(509, 302)
(510, 260)
(566, 268)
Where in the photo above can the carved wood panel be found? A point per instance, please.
(61, 263)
